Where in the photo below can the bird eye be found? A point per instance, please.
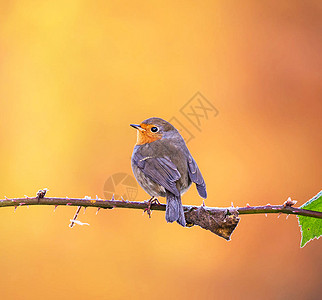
(154, 129)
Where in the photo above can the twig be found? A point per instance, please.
(71, 225)
(221, 221)
(276, 209)
(99, 203)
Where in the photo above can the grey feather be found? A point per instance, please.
(160, 170)
(174, 210)
(196, 177)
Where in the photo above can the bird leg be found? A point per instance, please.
(150, 202)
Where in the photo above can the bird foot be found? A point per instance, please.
(149, 203)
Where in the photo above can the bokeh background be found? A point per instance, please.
(74, 74)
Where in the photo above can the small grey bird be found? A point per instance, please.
(164, 167)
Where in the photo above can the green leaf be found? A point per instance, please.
(311, 227)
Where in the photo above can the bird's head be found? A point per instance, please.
(153, 129)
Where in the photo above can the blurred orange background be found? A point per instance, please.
(74, 74)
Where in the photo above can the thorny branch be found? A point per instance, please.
(221, 221)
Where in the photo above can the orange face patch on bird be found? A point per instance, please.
(164, 167)
(147, 133)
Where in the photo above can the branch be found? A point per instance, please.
(281, 209)
(221, 221)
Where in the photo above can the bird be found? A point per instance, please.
(164, 167)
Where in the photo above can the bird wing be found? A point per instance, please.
(196, 177)
(161, 170)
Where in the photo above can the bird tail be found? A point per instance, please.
(174, 210)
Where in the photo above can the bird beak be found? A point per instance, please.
(138, 127)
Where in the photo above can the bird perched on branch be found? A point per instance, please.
(164, 167)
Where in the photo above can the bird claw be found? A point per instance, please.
(149, 205)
